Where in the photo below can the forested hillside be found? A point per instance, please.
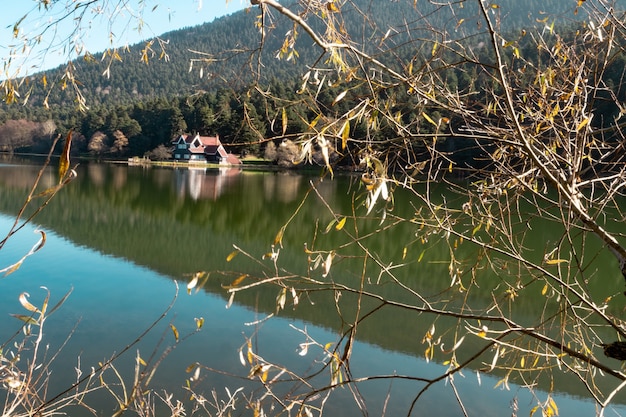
(226, 50)
(208, 79)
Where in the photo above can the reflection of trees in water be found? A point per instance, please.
(24, 176)
(120, 175)
(161, 177)
(145, 222)
(281, 186)
(97, 174)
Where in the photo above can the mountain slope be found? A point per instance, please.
(228, 49)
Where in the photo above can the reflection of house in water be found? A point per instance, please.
(281, 186)
(204, 184)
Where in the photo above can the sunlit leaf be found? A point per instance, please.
(583, 124)
(26, 304)
(556, 261)
(25, 319)
(458, 343)
(278, 240)
(141, 361)
(544, 290)
(341, 223)
(232, 255)
(48, 191)
(199, 322)
(429, 353)
(284, 116)
(315, 121)
(495, 359)
(328, 263)
(64, 162)
(345, 134)
(46, 300)
(12, 268)
(294, 296)
(175, 331)
(41, 243)
(500, 382)
(254, 371)
(552, 410)
(196, 374)
(335, 370)
(339, 97)
(429, 120)
(250, 355)
(281, 299)
(236, 282)
(230, 300)
(330, 225)
(192, 284)
(533, 410)
(304, 349)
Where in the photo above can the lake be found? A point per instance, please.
(126, 239)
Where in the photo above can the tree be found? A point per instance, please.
(120, 142)
(270, 151)
(17, 134)
(44, 137)
(98, 144)
(160, 153)
(287, 154)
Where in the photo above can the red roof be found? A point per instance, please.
(210, 140)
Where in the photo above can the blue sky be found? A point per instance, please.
(159, 16)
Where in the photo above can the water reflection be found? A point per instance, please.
(172, 223)
(204, 184)
(284, 186)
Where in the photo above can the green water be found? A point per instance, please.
(121, 237)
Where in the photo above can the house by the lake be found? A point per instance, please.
(202, 149)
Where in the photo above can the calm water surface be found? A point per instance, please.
(121, 238)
